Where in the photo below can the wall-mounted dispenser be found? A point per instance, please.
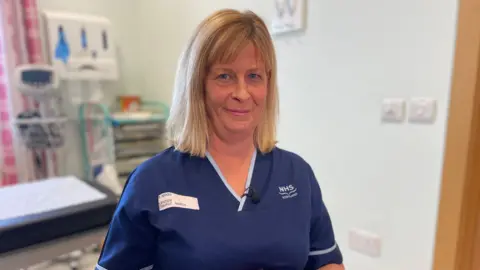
(80, 46)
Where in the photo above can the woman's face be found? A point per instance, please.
(236, 93)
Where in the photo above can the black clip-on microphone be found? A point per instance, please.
(252, 194)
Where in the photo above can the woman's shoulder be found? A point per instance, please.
(288, 157)
(158, 168)
(294, 164)
(166, 158)
(148, 180)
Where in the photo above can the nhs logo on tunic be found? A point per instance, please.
(287, 192)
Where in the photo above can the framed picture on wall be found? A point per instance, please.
(288, 16)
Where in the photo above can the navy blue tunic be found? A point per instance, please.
(178, 212)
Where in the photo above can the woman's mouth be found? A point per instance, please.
(238, 112)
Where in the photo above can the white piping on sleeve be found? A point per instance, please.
(323, 251)
(99, 267)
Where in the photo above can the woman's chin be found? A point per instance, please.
(240, 129)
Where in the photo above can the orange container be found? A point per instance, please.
(129, 103)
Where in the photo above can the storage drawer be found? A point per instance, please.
(139, 131)
(126, 166)
(138, 149)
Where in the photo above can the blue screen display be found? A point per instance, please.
(37, 76)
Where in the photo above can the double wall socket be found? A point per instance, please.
(420, 110)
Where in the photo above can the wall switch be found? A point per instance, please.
(366, 243)
(393, 110)
(422, 110)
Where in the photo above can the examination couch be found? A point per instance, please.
(45, 219)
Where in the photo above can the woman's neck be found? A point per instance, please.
(238, 148)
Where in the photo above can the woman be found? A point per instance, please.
(223, 196)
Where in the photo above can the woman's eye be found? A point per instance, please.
(223, 77)
(254, 76)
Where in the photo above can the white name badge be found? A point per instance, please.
(168, 200)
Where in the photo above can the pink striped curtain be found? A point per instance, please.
(7, 155)
(20, 44)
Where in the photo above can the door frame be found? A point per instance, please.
(457, 235)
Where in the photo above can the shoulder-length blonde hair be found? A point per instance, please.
(219, 38)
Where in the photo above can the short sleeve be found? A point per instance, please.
(323, 247)
(130, 241)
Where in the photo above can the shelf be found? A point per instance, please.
(120, 119)
(134, 140)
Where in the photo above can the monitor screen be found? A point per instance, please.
(37, 77)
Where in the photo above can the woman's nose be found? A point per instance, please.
(241, 91)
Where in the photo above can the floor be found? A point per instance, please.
(85, 260)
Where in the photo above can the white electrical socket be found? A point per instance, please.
(364, 242)
(422, 110)
(393, 110)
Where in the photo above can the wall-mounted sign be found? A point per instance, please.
(289, 16)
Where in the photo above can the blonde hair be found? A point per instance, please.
(219, 38)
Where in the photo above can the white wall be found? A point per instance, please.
(377, 177)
